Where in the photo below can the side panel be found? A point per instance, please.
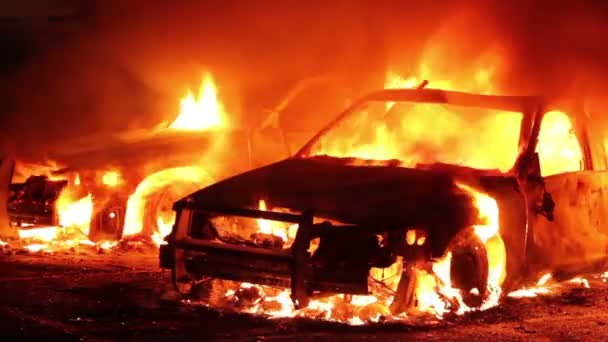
(577, 239)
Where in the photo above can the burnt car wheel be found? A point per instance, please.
(108, 218)
(159, 205)
(469, 267)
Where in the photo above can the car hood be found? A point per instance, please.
(383, 196)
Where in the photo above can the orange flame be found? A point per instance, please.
(75, 213)
(558, 147)
(202, 112)
(279, 229)
(134, 217)
(489, 234)
(74, 219)
(111, 178)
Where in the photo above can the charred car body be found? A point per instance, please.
(134, 155)
(362, 214)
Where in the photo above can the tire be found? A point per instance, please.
(161, 202)
(468, 271)
(469, 268)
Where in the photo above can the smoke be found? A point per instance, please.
(117, 65)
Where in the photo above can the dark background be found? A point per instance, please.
(71, 68)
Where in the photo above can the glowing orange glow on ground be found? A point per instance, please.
(201, 112)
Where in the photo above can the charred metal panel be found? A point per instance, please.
(372, 196)
(579, 233)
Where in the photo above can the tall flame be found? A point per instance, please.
(201, 112)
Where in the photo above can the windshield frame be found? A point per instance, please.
(528, 106)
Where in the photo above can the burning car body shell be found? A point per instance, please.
(556, 222)
(135, 154)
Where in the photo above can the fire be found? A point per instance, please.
(111, 178)
(156, 183)
(434, 292)
(558, 147)
(278, 229)
(424, 133)
(75, 213)
(74, 218)
(489, 234)
(202, 112)
(45, 234)
(545, 287)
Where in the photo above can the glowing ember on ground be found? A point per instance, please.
(543, 287)
(37, 247)
(202, 112)
(580, 281)
(544, 279)
(540, 288)
(41, 234)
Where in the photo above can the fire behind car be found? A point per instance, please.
(493, 189)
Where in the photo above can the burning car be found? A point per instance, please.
(121, 184)
(469, 194)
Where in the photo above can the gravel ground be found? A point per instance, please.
(124, 296)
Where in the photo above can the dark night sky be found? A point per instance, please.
(75, 67)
